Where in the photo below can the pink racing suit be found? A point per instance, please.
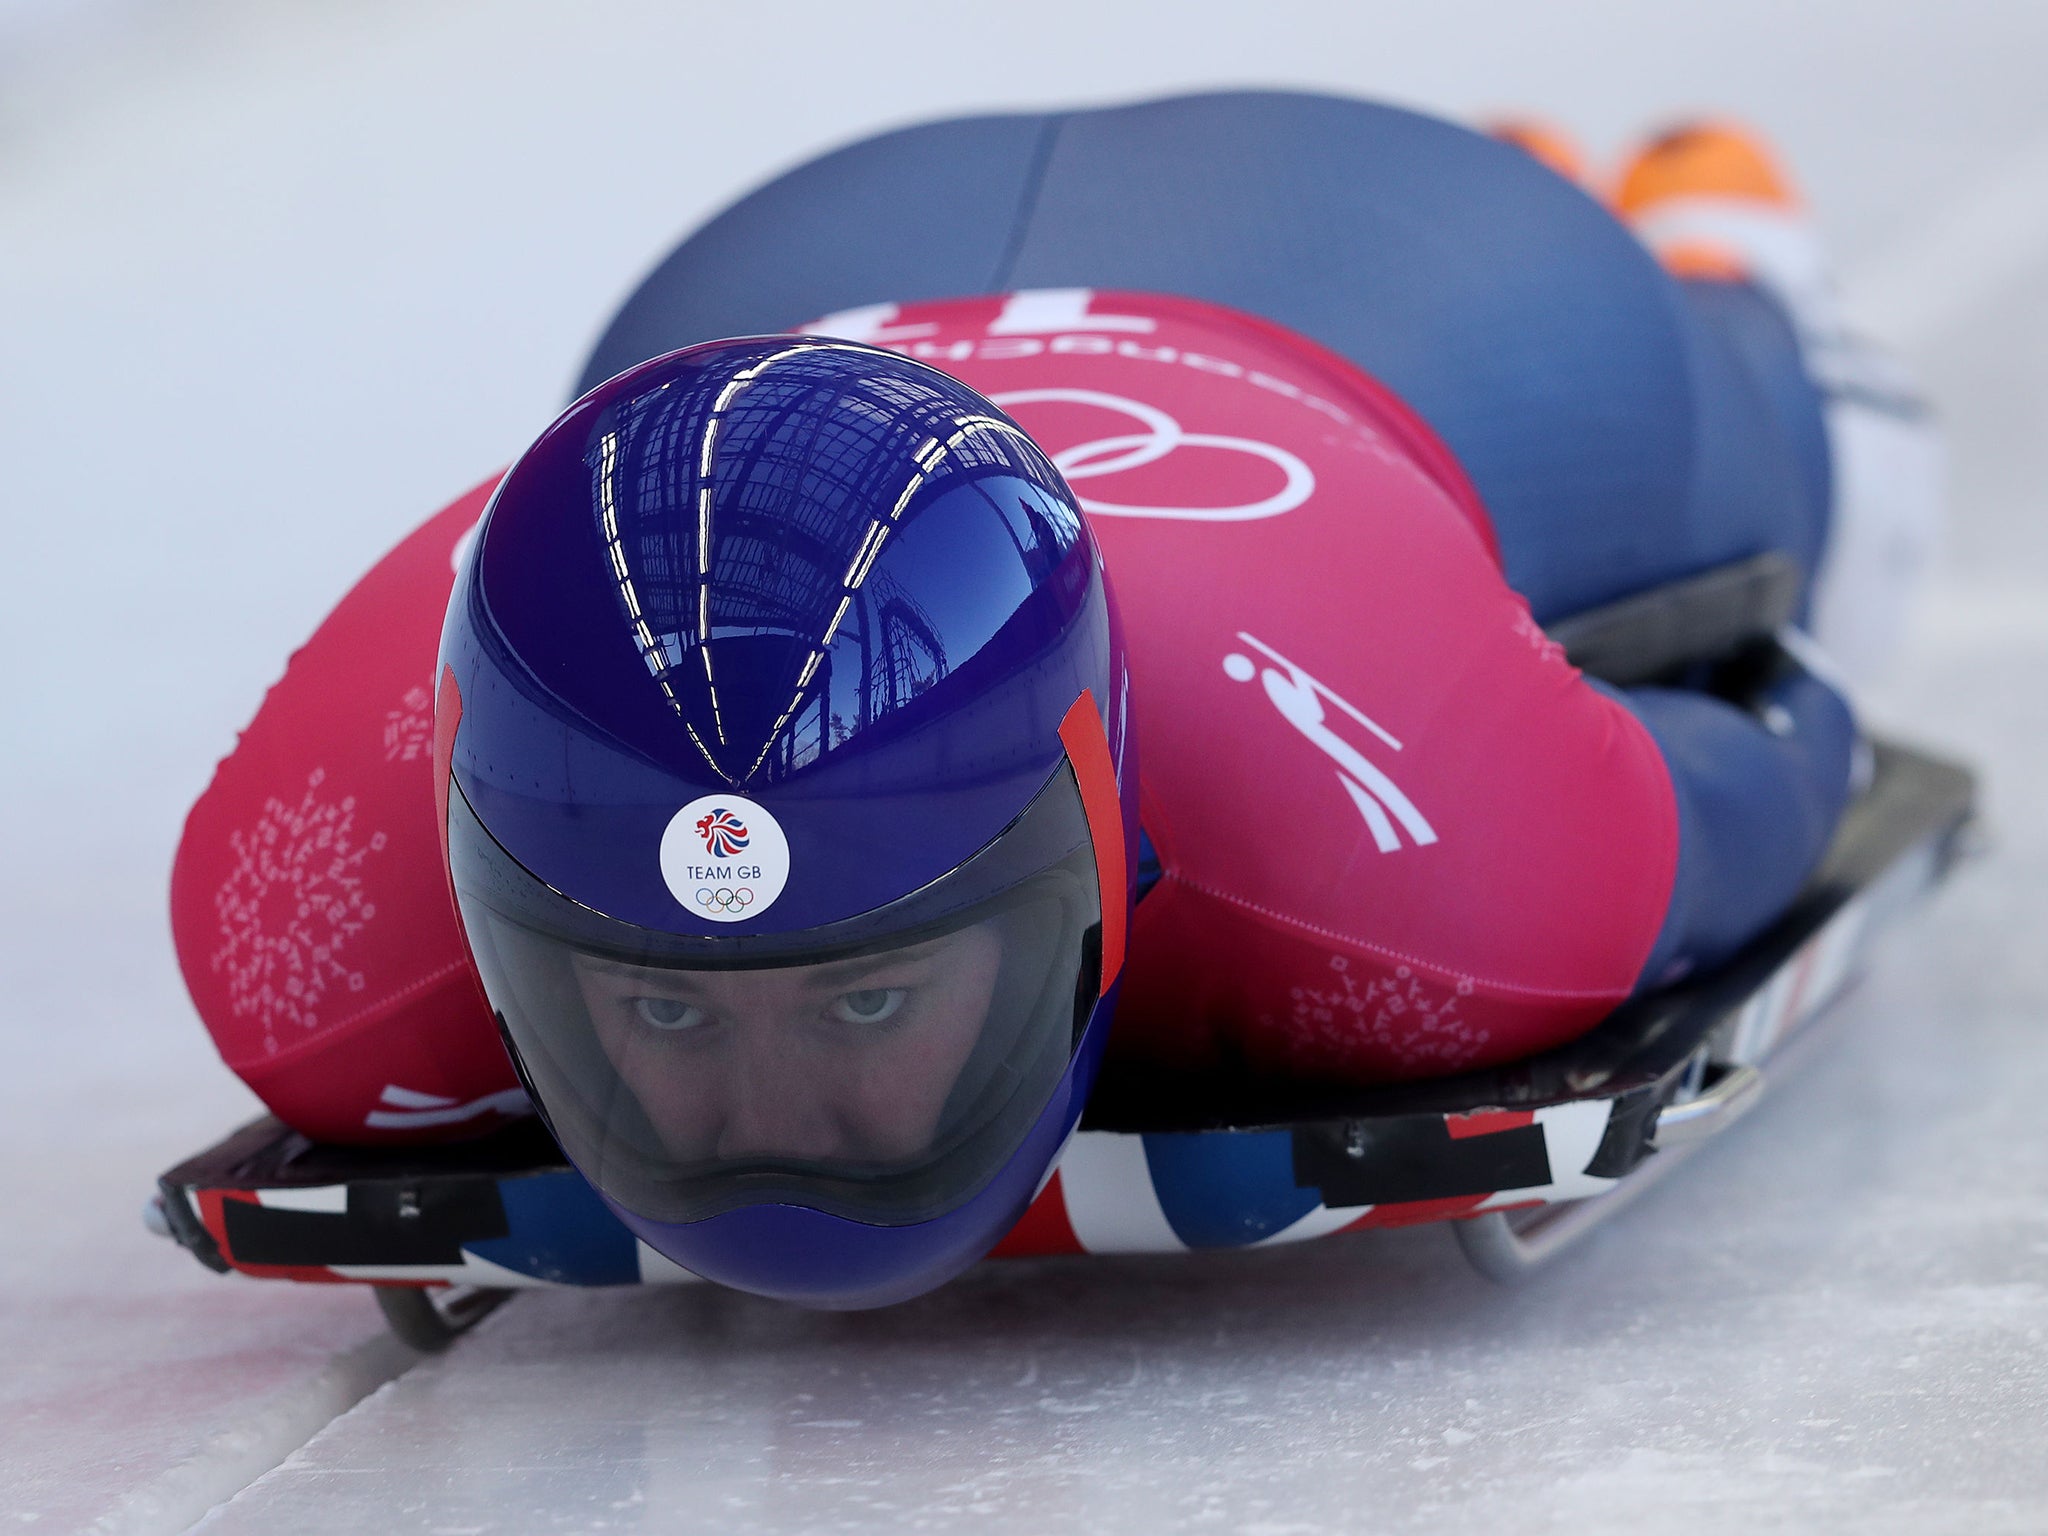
(1397, 834)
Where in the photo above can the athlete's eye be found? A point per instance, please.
(869, 1007)
(669, 1013)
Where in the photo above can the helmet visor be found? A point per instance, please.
(880, 1069)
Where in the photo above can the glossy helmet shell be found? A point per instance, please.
(840, 584)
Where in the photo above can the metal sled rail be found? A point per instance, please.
(1508, 1246)
(1524, 1159)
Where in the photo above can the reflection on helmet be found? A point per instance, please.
(825, 1041)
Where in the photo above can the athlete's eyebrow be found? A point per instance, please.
(833, 974)
(625, 970)
(841, 971)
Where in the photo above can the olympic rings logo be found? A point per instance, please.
(1162, 435)
(725, 898)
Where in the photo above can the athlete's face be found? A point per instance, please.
(848, 1061)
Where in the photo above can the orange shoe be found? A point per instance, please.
(1712, 201)
(1710, 159)
(1546, 142)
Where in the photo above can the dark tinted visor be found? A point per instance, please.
(880, 1069)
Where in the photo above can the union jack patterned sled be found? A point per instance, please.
(1522, 1159)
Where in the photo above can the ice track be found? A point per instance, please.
(278, 283)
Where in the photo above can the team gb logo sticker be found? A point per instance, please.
(724, 834)
(725, 858)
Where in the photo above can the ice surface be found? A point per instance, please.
(279, 282)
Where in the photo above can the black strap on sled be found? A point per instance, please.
(1652, 635)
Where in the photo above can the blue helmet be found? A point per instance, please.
(790, 808)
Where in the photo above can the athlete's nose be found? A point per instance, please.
(776, 1104)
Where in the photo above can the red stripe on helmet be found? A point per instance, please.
(1087, 747)
(447, 715)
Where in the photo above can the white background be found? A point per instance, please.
(279, 279)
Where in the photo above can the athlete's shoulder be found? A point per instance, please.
(1380, 796)
(311, 917)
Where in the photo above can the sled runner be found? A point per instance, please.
(1523, 1159)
